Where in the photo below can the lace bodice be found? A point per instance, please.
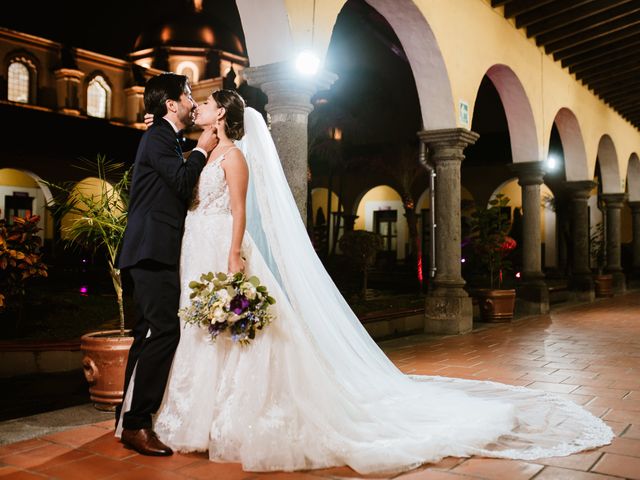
(212, 194)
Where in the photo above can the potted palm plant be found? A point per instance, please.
(96, 221)
(598, 246)
(491, 245)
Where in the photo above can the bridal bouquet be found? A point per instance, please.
(229, 303)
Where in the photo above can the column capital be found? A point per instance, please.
(581, 189)
(287, 90)
(448, 137)
(529, 173)
(613, 200)
(69, 73)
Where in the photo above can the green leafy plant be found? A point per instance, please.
(361, 248)
(20, 259)
(93, 221)
(489, 239)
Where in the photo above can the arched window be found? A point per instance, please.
(98, 97)
(190, 70)
(18, 82)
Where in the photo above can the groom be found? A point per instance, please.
(161, 188)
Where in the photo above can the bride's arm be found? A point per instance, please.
(237, 175)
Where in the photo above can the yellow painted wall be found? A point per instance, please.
(473, 37)
(10, 176)
(512, 190)
(379, 193)
(319, 200)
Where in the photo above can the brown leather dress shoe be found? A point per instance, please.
(145, 442)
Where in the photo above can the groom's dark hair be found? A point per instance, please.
(163, 87)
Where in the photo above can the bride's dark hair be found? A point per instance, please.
(234, 105)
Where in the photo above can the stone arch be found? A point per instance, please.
(609, 169)
(633, 178)
(426, 60)
(12, 179)
(575, 156)
(517, 108)
(277, 44)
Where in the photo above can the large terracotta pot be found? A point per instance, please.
(496, 305)
(604, 285)
(104, 360)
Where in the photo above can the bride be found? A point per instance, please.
(313, 390)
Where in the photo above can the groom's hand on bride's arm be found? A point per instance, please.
(148, 119)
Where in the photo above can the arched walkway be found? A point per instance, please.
(575, 155)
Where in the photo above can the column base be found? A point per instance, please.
(532, 299)
(582, 287)
(448, 312)
(619, 282)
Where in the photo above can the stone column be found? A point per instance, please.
(613, 203)
(581, 278)
(635, 243)
(289, 106)
(448, 306)
(532, 296)
(135, 106)
(68, 88)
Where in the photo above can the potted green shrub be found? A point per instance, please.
(361, 248)
(97, 222)
(598, 247)
(491, 246)
(20, 262)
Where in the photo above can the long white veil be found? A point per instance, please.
(542, 425)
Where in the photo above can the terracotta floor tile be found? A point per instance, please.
(14, 474)
(107, 425)
(206, 470)
(94, 467)
(173, 462)
(601, 392)
(623, 416)
(22, 446)
(579, 461)
(632, 432)
(619, 465)
(498, 469)
(108, 446)
(146, 473)
(430, 475)
(618, 427)
(78, 436)
(43, 457)
(624, 446)
(553, 387)
(553, 473)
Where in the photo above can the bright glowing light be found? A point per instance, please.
(308, 63)
(518, 275)
(552, 163)
(84, 290)
(463, 260)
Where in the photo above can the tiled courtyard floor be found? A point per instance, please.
(590, 354)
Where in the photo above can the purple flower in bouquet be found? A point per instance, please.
(216, 328)
(239, 304)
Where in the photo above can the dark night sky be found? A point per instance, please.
(113, 29)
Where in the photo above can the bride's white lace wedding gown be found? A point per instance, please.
(298, 398)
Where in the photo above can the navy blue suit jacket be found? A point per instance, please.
(161, 189)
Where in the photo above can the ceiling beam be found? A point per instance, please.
(568, 13)
(519, 7)
(601, 54)
(631, 85)
(601, 42)
(613, 73)
(555, 10)
(607, 32)
(603, 20)
(616, 62)
(499, 3)
(594, 84)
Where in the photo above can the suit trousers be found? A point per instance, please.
(156, 292)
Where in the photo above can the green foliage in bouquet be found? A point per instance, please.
(236, 304)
